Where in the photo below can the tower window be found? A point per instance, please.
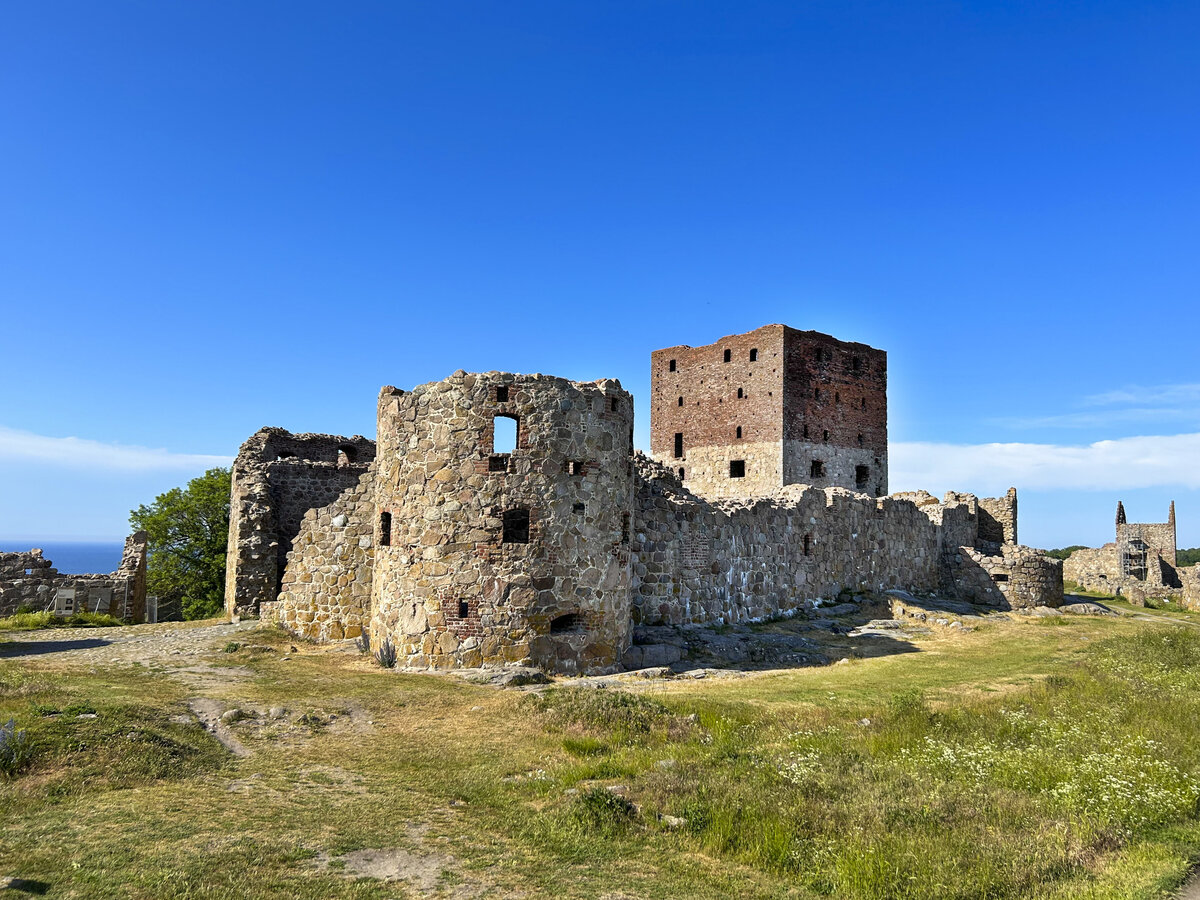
(737, 468)
(681, 401)
(862, 474)
(816, 393)
(728, 355)
(679, 445)
(860, 440)
(804, 431)
(464, 609)
(516, 526)
(856, 364)
(504, 434)
(502, 393)
(498, 463)
(808, 545)
(864, 402)
(625, 528)
(754, 355)
(739, 432)
(837, 397)
(741, 393)
(825, 436)
(346, 456)
(681, 473)
(672, 366)
(574, 467)
(614, 404)
(817, 469)
(385, 529)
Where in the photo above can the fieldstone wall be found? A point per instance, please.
(484, 557)
(30, 580)
(1140, 563)
(326, 586)
(1016, 578)
(696, 561)
(1190, 578)
(998, 518)
(1095, 569)
(277, 478)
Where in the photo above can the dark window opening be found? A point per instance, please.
(825, 436)
(999, 576)
(856, 364)
(625, 528)
(464, 609)
(681, 401)
(578, 507)
(498, 463)
(571, 623)
(286, 454)
(737, 468)
(502, 393)
(739, 432)
(385, 529)
(808, 545)
(346, 456)
(681, 473)
(516, 526)
(672, 366)
(862, 475)
(754, 355)
(574, 467)
(864, 403)
(504, 434)
(679, 445)
(817, 469)
(816, 393)
(614, 404)
(804, 432)
(728, 355)
(837, 397)
(741, 393)
(860, 440)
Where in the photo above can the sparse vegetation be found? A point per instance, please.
(386, 654)
(15, 750)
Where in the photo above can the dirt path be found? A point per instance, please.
(170, 643)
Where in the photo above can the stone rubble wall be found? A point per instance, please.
(448, 588)
(998, 518)
(30, 580)
(1099, 569)
(277, 478)
(698, 562)
(1190, 577)
(326, 586)
(1016, 578)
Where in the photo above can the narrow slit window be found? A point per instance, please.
(504, 434)
(614, 405)
(680, 478)
(672, 366)
(864, 403)
(856, 364)
(804, 432)
(737, 468)
(741, 393)
(516, 526)
(837, 397)
(464, 609)
(625, 528)
(385, 529)
(825, 436)
(816, 393)
(502, 393)
(754, 355)
(860, 440)
(739, 432)
(681, 401)
(728, 355)
(808, 545)
(679, 445)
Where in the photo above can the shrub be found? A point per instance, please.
(386, 654)
(363, 641)
(231, 647)
(15, 749)
(598, 809)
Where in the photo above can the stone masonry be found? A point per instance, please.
(462, 551)
(29, 580)
(1141, 562)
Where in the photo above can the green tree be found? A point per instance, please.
(187, 529)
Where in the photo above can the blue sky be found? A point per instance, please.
(218, 216)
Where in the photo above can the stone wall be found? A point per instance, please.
(697, 561)
(1015, 578)
(277, 478)
(1095, 569)
(1190, 579)
(998, 518)
(326, 586)
(484, 557)
(30, 580)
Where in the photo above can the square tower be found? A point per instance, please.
(753, 412)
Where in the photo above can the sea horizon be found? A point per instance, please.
(72, 557)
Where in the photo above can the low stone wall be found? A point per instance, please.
(1191, 587)
(30, 580)
(1016, 578)
(326, 585)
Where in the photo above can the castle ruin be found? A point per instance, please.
(30, 581)
(506, 519)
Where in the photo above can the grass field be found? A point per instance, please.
(1042, 758)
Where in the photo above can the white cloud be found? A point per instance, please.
(82, 453)
(989, 469)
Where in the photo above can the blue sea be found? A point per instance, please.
(73, 557)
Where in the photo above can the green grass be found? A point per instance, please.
(1014, 761)
(31, 621)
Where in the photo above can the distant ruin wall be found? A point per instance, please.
(731, 561)
(326, 586)
(30, 580)
(998, 518)
(1190, 577)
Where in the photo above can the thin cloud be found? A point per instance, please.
(1155, 395)
(1132, 405)
(82, 453)
(988, 469)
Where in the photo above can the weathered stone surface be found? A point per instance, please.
(29, 579)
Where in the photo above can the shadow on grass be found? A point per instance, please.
(43, 648)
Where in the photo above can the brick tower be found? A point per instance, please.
(753, 412)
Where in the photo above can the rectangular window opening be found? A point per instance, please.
(741, 393)
(502, 393)
(574, 467)
(999, 576)
(737, 468)
(817, 469)
(577, 507)
(625, 528)
(862, 474)
(672, 366)
(679, 445)
(505, 429)
(516, 526)
(754, 355)
(464, 609)
(385, 529)
(728, 355)
(739, 432)
(498, 463)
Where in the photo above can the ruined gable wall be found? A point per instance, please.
(711, 412)
(277, 478)
(730, 561)
(448, 589)
(325, 592)
(998, 518)
(30, 580)
(1095, 569)
(835, 413)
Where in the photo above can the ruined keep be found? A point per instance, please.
(30, 581)
(1141, 561)
(506, 519)
(754, 412)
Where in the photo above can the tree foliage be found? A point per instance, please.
(1185, 558)
(188, 528)
(1064, 552)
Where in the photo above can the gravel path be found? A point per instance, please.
(169, 643)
